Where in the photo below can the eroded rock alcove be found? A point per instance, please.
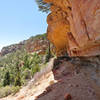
(74, 26)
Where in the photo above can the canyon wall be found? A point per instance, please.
(74, 27)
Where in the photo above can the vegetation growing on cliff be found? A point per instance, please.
(18, 67)
(44, 7)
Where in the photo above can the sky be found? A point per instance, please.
(19, 20)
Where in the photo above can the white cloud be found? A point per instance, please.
(1, 46)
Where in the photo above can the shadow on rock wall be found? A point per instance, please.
(78, 79)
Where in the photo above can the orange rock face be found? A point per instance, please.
(74, 27)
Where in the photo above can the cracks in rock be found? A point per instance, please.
(83, 22)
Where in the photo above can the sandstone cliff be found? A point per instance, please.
(11, 48)
(37, 44)
(74, 26)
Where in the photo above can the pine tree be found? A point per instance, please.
(26, 61)
(6, 80)
(44, 7)
(48, 53)
(18, 76)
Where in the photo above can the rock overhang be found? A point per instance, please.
(74, 27)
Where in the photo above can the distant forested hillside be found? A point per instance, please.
(19, 63)
(26, 44)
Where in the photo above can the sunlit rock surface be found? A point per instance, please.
(74, 26)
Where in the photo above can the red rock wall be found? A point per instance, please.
(74, 26)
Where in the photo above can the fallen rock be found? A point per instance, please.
(67, 97)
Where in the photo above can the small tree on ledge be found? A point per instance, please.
(44, 7)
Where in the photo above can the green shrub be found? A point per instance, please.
(26, 74)
(8, 90)
(17, 81)
(1, 84)
(15, 89)
(35, 69)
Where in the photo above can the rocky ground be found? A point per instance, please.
(70, 79)
(36, 86)
(30, 93)
(78, 79)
